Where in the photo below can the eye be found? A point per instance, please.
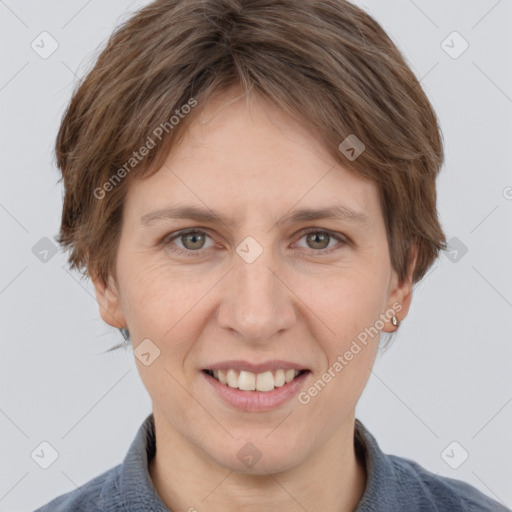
(319, 240)
(191, 240)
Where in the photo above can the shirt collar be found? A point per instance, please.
(380, 494)
(135, 484)
(136, 490)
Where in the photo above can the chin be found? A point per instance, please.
(258, 457)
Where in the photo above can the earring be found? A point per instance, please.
(395, 321)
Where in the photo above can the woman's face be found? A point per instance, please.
(265, 286)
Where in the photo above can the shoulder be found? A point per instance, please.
(427, 491)
(98, 495)
(397, 483)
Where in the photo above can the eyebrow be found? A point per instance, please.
(338, 212)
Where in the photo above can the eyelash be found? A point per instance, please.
(192, 254)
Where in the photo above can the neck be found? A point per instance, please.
(187, 479)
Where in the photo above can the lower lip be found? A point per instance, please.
(257, 401)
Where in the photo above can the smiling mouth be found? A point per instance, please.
(249, 381)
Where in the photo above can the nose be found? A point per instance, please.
(256, 302)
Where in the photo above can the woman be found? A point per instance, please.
(250, 186)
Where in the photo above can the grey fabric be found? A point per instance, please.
(393, 484)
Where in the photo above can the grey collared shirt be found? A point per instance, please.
(394, 484)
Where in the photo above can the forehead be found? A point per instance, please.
(240, 155)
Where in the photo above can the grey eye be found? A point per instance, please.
(318, 240)
(193, 241)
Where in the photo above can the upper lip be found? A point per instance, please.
(256, 367)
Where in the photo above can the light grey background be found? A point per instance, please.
(446, 378)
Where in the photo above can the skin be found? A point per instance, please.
(251, 162)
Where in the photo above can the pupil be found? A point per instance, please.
(323, 238)
(194, 237)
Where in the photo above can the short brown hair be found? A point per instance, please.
(325, 62)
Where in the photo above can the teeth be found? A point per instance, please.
(289, 375)
(249, 381)
(264, 381)
(279, 378)
(232, 378)
(221, 376)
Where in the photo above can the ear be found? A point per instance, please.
(400, 293)
(107, 295)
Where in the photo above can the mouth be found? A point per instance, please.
(249, 381)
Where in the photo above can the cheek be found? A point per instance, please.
(159, 300)
(163, 301)
(351, 311)
(351, 301)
